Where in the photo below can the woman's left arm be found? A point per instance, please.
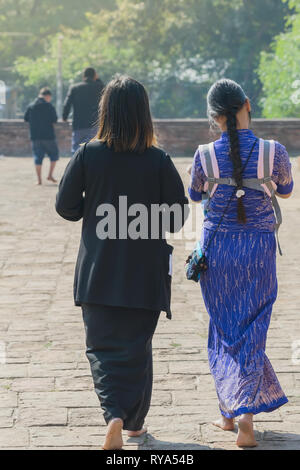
(282, 172)
(70, 198)
(173, 194)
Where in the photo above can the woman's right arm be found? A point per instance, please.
(197, 182)
(70, 198)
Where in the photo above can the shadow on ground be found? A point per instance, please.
(267, 440)
(149, 442)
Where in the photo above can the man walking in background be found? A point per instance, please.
(41, 116)
(84, 98)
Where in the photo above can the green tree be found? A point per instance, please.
(279, 71)
(27, 28)
(177, 48)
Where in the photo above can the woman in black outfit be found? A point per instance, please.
(122, 282)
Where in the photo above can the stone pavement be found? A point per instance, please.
(46, 393)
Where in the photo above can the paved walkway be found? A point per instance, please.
(46, 394)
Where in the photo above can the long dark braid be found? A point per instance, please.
(235, 157)
(226, 98)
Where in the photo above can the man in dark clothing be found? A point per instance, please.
(41, 116)
(84, 97)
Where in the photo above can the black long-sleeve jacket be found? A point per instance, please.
(41, 117)
(84, 99)
(121, 271)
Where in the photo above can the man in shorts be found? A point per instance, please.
(41, 116)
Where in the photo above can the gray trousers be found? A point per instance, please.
(82, 136)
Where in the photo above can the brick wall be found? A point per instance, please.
(14, 138)
(180, 137)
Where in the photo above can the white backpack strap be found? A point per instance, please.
(266, 165)
(210, 167)
(264, 171)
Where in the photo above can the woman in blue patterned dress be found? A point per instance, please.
(240, 286)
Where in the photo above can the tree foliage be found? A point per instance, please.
(176, 47)
(279, 71)
(26, 26)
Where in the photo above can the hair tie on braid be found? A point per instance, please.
(240, 193)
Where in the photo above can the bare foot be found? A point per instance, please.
(50, 178)
(113, 438)
(227, 424)
(137, 433)
(246, 436)
(38, 183)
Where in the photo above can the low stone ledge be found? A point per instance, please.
(179, 137)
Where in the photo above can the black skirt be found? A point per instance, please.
(119, 349)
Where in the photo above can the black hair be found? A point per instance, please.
(89, 73)
(125, 122)
(226, 98)
(45, 92)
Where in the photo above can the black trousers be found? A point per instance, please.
(119, 349)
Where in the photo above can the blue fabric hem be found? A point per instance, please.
(285, 188)
(264, 408)
(195, 195)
